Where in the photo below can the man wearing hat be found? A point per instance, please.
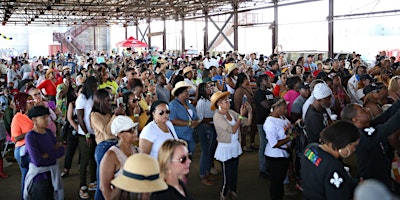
(317, 118)
(296, 112)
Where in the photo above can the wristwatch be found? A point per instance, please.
(87, 135)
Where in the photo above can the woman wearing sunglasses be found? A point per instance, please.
(132, 108)
(174, 160)
(183, 115)
(227, 125)
(125, 130)
(100, 121)
(158, 129)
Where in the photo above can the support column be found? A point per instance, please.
(94, 38)
(126, 31)
(205, 31)
(330, 29)
(275, 27)
(183, 33)
(137, 29)
(149, 38)
(235, 26)
(165, 36)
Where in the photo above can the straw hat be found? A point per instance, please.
(178, 85)
(141, 174)
(215, 97)
(186, 70)
(230, 67)
(48, 73)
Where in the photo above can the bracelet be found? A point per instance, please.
(135, 115)
(241, 117)
(189, 122)
(87, 135)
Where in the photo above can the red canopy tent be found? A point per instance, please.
(131, 42)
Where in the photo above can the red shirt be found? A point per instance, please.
(49, 86)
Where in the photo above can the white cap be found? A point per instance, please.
(321, 90)
(122, 123)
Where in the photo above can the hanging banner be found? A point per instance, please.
(5, 37)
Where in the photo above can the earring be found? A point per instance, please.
(347, 155)
(219, 108)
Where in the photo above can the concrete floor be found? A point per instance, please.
(250, 185)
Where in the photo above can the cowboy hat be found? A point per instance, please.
(180, 84)
(141, 174)
(186, 70)
(230, 67)
(217, 96)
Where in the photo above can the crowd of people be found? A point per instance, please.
(136, 120)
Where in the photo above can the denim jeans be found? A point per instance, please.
(23, 170)
(262, 162)
(101, 149)
(207, 137)
(42, 190)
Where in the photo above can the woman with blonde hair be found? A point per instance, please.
(394, 88)
(174, 160)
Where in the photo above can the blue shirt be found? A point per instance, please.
(178, 111)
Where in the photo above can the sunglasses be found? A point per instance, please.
(183, 159)
(162, 112)
(134, 100)
(36, 94)
(131, 130)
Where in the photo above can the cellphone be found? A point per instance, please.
(244, 99)
(152, 82)
(119, 101)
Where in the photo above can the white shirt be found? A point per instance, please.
(87, 105)
(352, 88)
(275, 130)
(155, 135)
(204, 110)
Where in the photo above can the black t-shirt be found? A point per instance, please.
(315, 122)
(261, 112)
(324, 176)
(171, 194)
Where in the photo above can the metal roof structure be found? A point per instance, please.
(109, 12)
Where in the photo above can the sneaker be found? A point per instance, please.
(92, 186)
(298, 187)
(84, 193)
(64, 174)
(213, 171)
(247, 149)
(6, 163)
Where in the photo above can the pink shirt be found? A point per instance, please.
(289, 97)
